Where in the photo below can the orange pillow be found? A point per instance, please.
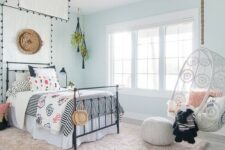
(196, 97)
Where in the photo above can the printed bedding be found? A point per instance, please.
(50, 108)
(62, 102)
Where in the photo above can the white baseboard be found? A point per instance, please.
(137, 119)
(134, 118)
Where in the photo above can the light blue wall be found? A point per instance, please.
(95, 27)
(215, 25)
(64, 54)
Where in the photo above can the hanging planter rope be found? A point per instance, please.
(83, 51)
(77, 36)
(78, 41)
(202, 22)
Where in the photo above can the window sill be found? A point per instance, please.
(146, 93)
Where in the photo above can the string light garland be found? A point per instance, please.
(39, 13)
(69, 7)
(4, 4)
(1, 56)
(35, 12)
(51, 43)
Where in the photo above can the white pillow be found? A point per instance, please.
(210, 117)
(21, 76)
(45, 72)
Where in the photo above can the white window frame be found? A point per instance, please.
(133, 26)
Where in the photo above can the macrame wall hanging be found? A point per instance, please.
(78, 41)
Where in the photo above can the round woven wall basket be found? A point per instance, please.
(80, 117)
(29, 41)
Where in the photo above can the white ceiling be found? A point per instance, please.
(91, 6)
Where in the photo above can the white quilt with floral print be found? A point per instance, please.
(50, 110)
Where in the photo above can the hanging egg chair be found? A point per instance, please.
(201, 87)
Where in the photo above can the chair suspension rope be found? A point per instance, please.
(202, 22)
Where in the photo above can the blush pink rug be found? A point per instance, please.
(128, 139)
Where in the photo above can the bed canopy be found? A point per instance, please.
(201, 87)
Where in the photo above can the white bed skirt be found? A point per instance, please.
(60, 140)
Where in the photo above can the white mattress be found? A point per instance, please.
(60, 140)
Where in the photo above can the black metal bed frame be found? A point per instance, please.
(75, 136)
(18, 70)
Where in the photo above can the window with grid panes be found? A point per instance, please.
(178, 45)
(150, 58)
(121, 58)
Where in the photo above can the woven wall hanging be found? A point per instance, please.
(29, 41)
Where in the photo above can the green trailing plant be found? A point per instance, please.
(71, 84)
(84, 51)
(76, 39)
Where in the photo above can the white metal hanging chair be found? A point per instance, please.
(201, 86)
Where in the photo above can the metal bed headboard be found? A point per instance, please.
(8, 70)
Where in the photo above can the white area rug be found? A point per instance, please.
(128, 139)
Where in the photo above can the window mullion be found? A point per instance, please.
(134, 59)
(162, 62)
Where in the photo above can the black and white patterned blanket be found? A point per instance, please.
(100, 102)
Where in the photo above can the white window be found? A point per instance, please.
(148, 58)
(151, 57)
(121, 60)
(178, 45)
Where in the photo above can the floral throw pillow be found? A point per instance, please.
(44, 83)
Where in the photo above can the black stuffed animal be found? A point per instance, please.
(3, 124)
(185, 127)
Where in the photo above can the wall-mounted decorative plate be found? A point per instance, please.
(29, 41)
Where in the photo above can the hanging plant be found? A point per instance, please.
(83, 51)
(76, 39)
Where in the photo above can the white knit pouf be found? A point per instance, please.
(157, 131)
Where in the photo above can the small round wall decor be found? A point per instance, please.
(29, 41)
